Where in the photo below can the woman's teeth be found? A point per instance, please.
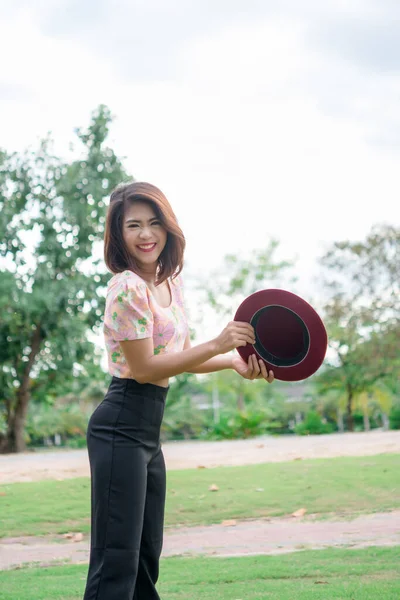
(146, 247)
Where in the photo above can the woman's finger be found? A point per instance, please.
(264, 370)
(256, 366)
(250, 370)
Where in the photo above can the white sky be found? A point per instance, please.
(255, 121)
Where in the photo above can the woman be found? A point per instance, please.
(147, 340)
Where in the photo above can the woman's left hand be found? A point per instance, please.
(253, 369)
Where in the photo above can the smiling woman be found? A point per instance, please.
(143, 215)
(143, 234)
(147, 339)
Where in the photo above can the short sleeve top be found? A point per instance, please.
(132, 313)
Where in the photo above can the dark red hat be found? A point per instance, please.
(291, 338)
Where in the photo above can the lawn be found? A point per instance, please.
(341, 486)
(308, 575)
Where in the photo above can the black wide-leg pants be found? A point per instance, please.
(127, 492)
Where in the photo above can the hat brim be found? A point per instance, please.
(291, 338)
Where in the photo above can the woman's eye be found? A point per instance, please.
(136, 225)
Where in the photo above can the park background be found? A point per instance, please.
(52, 299)
(273, 131)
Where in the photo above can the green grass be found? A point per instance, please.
(340, 486)
(309, 575)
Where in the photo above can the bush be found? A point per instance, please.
(394, 417)
(313, 425)
(182, 421)
(76, 443)
(238, 425)
(46, 423)
(358, 421)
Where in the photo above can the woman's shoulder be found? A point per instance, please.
(126, 280)
(177, 281)
(179, 294)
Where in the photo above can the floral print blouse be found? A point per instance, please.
(132, 313)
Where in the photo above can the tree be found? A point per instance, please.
(362, 314)
(52, 216)
(182, 418)
(239, 277)
(368, 272)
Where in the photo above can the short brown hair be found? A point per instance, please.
(116, 255)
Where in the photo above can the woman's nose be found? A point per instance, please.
(145, 233)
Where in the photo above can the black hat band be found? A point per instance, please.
(296, 349)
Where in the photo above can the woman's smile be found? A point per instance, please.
(144, 235)
(147, 247)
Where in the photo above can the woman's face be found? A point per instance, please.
(144, 235)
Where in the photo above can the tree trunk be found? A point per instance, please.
(215, 403)
(385, 421)
(349, 415)
(240, 401)
(340, 423)
(14, 440)
(367, 425)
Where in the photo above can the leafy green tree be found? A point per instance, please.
(368, 272)
(182, 418)
(52, 216)
(237, 278)
(394, 418)
(362, 314)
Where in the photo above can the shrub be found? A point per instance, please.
(313, 425)
(182, 421)
(46, 423)
(238, 425)
(394, 417)
(76, 443)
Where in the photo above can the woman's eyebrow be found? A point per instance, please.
(138, 221)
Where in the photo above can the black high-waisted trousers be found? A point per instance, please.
(128, 492)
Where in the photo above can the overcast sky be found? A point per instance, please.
(256, 118)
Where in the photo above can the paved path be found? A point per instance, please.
(272, 536)
(63, 464)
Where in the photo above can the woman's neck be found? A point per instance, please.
(149, 275)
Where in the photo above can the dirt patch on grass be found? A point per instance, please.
(267, 536)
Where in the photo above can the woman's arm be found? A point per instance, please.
(216, 363)
(253, 369)
(145, 366)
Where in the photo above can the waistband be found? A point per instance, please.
(131, 386)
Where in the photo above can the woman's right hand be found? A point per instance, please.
(235, 334)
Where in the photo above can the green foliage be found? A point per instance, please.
(76, 443)
(182, 419)
(240, 276)
(359, 421)
(394, 417)
(362, 314)
(45, 422)
(313, 425)
(193, 411)
(239, 425)
(52, 216)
